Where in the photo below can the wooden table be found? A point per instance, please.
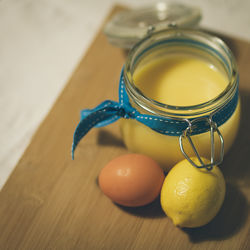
(52, 202)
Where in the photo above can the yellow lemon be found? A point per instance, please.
(191, 197)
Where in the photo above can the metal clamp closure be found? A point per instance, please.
(187, 134)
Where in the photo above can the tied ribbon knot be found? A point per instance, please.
(102, 115)
(110, 111)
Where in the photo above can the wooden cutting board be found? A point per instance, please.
(52, 202)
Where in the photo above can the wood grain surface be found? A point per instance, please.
(52, 202)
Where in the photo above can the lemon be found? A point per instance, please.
(190, 196)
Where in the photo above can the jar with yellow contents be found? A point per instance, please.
(178, 97)
(188, 77)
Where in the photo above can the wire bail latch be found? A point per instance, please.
(187, 133)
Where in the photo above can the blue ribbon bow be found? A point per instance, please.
(110, 111)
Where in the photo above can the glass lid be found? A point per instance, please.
(128, 27)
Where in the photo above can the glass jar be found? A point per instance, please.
(166, 148)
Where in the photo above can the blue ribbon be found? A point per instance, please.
(110, 111)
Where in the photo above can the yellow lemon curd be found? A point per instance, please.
(178, 80)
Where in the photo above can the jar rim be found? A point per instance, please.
(156, 107)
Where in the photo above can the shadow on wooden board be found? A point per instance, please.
(236, 165)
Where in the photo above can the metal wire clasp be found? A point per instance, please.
(187, 134)
(161, 26)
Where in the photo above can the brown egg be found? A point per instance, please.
(131, 180)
